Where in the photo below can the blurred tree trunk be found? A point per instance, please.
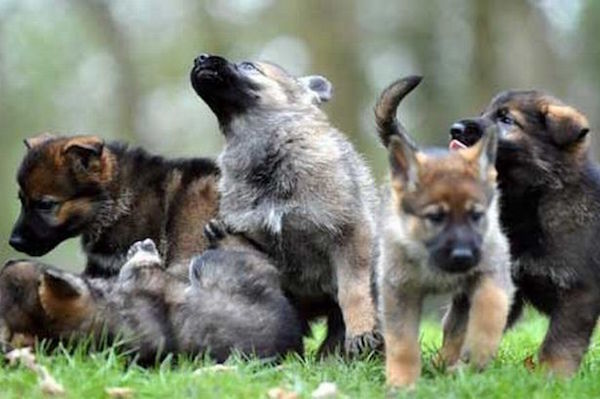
(115, 41)
(333, 42)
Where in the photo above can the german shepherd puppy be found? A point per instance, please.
(112, 196)
(550, 210)
(441, 234)
(232, 305)
(294, 185)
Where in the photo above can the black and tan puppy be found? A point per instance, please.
(550, 210)
(440, 234)
(234, 303)
(112, 196)
(294, 185)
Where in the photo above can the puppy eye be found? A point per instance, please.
(46, 205)
(437, 217)
(247, 66)
(476, 216)
(505, 118)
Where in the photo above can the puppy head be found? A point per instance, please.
(67, 301)
(537, 133)
(233, 89)
(442, 199)
(20, 306)
(62, 183)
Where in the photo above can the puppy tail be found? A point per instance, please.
(387, 105)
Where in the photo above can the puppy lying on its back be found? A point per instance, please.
(112, 196)
(234, 303)
(441, 234)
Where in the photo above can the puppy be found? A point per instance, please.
(233, 303)
(112, 196)
(294, 186)
(550, 210)
(441, 234)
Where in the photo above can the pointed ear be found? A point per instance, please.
(319, 85)
(565, 124)
(63, 285)
(484, 153)
(38, 140)
(62, 294)
(84, 153)
(404, 163)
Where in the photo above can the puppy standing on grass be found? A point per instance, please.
(294, 185)
(550, 210)
(441, 234)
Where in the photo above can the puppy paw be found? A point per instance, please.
(365, 343)
(141, 254)
(214, 231)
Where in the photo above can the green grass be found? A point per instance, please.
(87, 375)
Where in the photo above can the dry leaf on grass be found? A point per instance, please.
(529, 363)
(119, 392)
(281, 393)
(325, 390)
(217, 368)
(24, 356)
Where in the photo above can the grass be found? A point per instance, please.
(87, 375)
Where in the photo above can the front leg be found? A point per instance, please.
(455, 328)
(488, 314)
(353, 264)
(568, 336)
(401, 315)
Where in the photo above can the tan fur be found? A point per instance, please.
(67, 311)
(487, 319)
(187, 238)
(562, 366)
(354, 287)
(401, 334)
(457, 185)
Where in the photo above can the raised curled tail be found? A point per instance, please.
(385, 110)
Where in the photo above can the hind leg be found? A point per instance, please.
(353, 267)
(141, 255)
(571, 326)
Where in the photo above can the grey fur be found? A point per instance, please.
(294, 185)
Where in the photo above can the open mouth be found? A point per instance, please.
(456, 145)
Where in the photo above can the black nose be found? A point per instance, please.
(462, 257)
(201, 59)
(17, 242)
(457, 129)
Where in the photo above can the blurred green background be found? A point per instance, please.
(120, 68)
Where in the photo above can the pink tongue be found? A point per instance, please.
(456, 145)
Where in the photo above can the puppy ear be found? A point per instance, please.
(404, 163)
(63, 295)
(565, 124)
(319, 85)
(85, 153)
(484, 153)
(38, 140)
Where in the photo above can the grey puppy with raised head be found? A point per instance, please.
(440, 234)
(233, 303)
(294, 186)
